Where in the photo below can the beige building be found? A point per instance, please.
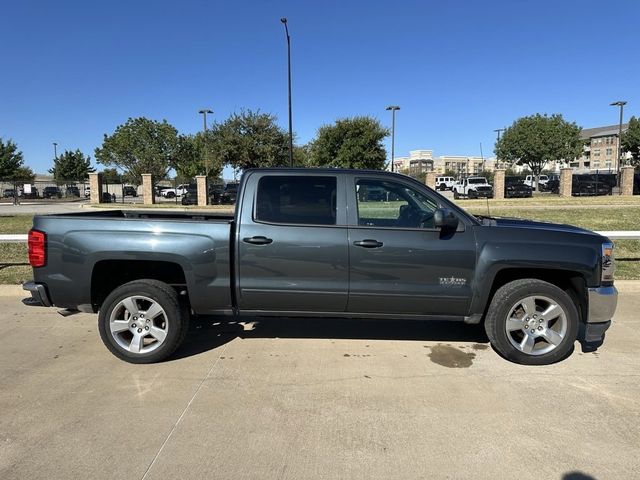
(420, 161)
(600, 150)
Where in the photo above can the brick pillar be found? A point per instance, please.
(147, 189)
(430, 180)
(95, 184)
(626, 180)
(498, 183)
(201, 185)
(566, 175)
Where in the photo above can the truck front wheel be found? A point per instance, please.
(532, 322)
(142, 321)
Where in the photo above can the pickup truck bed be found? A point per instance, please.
(92, 252)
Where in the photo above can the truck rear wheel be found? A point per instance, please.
(143, 322)
(532, 322)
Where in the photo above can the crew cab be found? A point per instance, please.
(303, 242)
(473, 187)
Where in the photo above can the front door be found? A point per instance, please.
(400, 263)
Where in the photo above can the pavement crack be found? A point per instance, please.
(175, 425)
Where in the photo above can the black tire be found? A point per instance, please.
(175, 317)
(456, 196)
(501, 309)
(443, 187)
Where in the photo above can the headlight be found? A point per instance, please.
(608, 263)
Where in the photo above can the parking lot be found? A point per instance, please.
(312, 398)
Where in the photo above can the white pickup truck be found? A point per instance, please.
(174, 192)
(531, 181)
(473, 187)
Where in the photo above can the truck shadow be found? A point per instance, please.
(207, 333)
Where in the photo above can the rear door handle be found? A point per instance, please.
(368, 243)
(257, 240)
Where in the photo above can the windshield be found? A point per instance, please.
(477, 180)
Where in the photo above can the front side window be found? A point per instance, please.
(295, 199)
(383, 203)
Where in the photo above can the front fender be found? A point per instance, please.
(497, 256)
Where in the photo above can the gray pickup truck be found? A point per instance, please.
(326, 242)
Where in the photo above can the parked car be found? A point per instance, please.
(215, 193)
(129, 191)
(548, 186)
(190, 197)
(32, 195)
(514, 187)
(106, 198)
(445, 183)
(372, 194)
(51, 192)
(174, 192)
(473, 187)
(72, 191)
(553, 186)
(301, 243)
(230, 194)
(9, 193)
(587, 186)
(531, 181)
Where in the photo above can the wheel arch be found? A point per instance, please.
(573, 283)
(107, 275)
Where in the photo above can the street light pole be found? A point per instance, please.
(621, 104)
(55, 150)
(204, 112)
(286, 30)
(498, 131)
(393, 109)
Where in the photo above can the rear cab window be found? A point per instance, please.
(296, 199)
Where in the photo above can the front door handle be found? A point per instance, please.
(368, 243)
(257, 240)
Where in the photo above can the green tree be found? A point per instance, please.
(111, 175)
(350, 143)
(197, 155)
(140, 146)
(22, 175)
(631, 141)
(12, 163)
(538, 139)
(249, 139)
(73, 166)
(302, 155)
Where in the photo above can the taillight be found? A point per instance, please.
(37, 248)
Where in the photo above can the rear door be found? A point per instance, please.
(400, 263)
(292, 252)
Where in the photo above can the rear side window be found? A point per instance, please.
(296, 199)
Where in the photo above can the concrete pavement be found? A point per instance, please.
(312, 399)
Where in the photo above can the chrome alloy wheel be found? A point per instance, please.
(536, 325)
(138, 324)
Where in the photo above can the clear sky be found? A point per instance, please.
(72, 71)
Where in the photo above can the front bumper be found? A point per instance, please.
(39, 296)
(602, 304)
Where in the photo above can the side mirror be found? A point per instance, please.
(444, 219)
